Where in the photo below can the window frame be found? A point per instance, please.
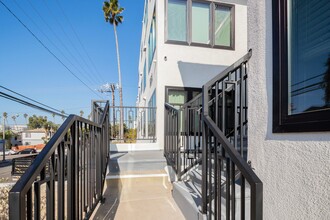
(188, 41)
(282, 121)
(189, 91)
(232, 25)
(211, 24)
(187, 24)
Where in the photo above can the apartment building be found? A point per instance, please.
(184, 44)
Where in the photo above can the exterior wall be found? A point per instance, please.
(36, 138)
(188, 66)
(294, 167)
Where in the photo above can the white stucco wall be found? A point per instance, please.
(295, 167)
(36, 138)
(188, 66)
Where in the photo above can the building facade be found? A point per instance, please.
(289, 139)
(184, 44)
(33, 137)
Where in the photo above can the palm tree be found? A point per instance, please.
(5, 115)
(25, 116)
(81, 113)
(63, 112)
(14, 119)
(53, 117)
(112, 14)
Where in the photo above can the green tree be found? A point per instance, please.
(8, 136)
(112, 14)
(36, 122)
(25, 116)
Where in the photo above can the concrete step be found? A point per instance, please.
(187, 195)
(188, 200)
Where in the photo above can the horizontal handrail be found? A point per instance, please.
(229, 69)
(241, 164)
(171, 107)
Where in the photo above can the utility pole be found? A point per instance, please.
(110, 88)
(4, 141)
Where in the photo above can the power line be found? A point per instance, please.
(59, 39)
(15, 99)
(69, 39)
(66, 67)
(77, 36)
(29, 98)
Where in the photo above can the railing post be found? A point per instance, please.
(204, 149)
(178, 144)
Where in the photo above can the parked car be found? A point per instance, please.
(28, 151)
(8, 152)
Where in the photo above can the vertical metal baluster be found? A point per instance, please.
(60, 180)
(228, 188)
(241, 112)
(50, 190)
(70, 176)
(29, 204)
(233, 191)
(210, 188)
(204, 168)
(215, 206)
(37, 200)
(242, 197)
(235, 116)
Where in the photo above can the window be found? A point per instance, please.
(144, 77)
(202, 23)
(152, 41)
(28, 135)
(177, 96)
(222, 26)
(301, 42)
(152, 115)
(177, 20)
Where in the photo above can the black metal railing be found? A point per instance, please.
(172, 138)
(191, 134)
(183, 135)
(66, 179)
(216, 123)
(230, 188)
(227, 177)
(139, 123)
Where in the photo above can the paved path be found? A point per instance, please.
(138, 188)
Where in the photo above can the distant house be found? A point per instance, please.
(18, 128)
(33, 137)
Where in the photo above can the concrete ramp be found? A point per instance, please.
(137, 187)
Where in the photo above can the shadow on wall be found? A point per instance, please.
(196, 75)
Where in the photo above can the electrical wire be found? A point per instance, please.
(69, 39)
(80, 42)
(29, 98)
(58, 59)
(58, 38)
(15, 99)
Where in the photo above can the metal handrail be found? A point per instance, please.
(172, 140)
(229, 69)
(20, 196)
(235, 160)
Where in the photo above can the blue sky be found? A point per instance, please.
(27, 68)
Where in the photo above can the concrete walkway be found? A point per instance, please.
(138, 188)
